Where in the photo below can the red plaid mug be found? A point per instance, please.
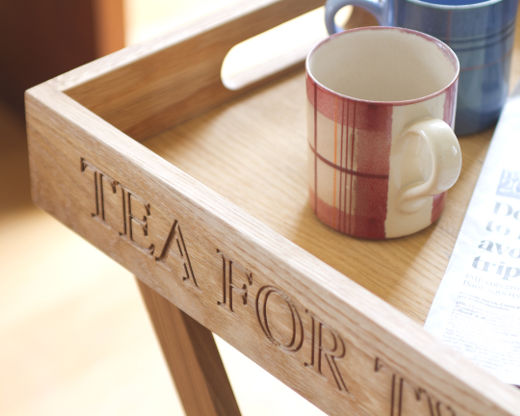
(381, 109)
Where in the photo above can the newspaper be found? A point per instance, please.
(477, 307)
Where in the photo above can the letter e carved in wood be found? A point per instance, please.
(232, 283)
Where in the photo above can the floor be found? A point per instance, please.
(75, 338)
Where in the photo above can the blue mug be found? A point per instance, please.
(480, 32)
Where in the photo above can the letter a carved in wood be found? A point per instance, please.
(175, 242)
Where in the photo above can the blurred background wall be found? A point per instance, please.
(40, 39)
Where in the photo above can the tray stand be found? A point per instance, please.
(204, 264)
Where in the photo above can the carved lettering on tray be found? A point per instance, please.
(271, 305)
(406, 398)
(285, 323)
(119, 209)
(175, 243)
(327, 347)
(235, 280)
(435, 407)
(136, 218)
(126, 213)
(87, 169)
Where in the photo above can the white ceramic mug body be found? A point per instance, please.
(382, 152)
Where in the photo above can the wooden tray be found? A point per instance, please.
(201, 192)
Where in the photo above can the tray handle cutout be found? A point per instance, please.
(272, 51)
(283, 46)
(144, 89)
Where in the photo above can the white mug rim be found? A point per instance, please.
(440, 44)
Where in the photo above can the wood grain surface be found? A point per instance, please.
(253, 151)
(213, 217)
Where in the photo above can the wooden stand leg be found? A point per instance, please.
(192, 357)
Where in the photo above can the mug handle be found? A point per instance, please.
(374, 7)
(445, 158)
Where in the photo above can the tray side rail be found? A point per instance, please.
(332, 341)
(153, 86)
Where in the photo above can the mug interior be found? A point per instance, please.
(383, 64)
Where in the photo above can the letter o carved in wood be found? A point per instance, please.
(262, 299)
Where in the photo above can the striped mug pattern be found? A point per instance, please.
(379, 168)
